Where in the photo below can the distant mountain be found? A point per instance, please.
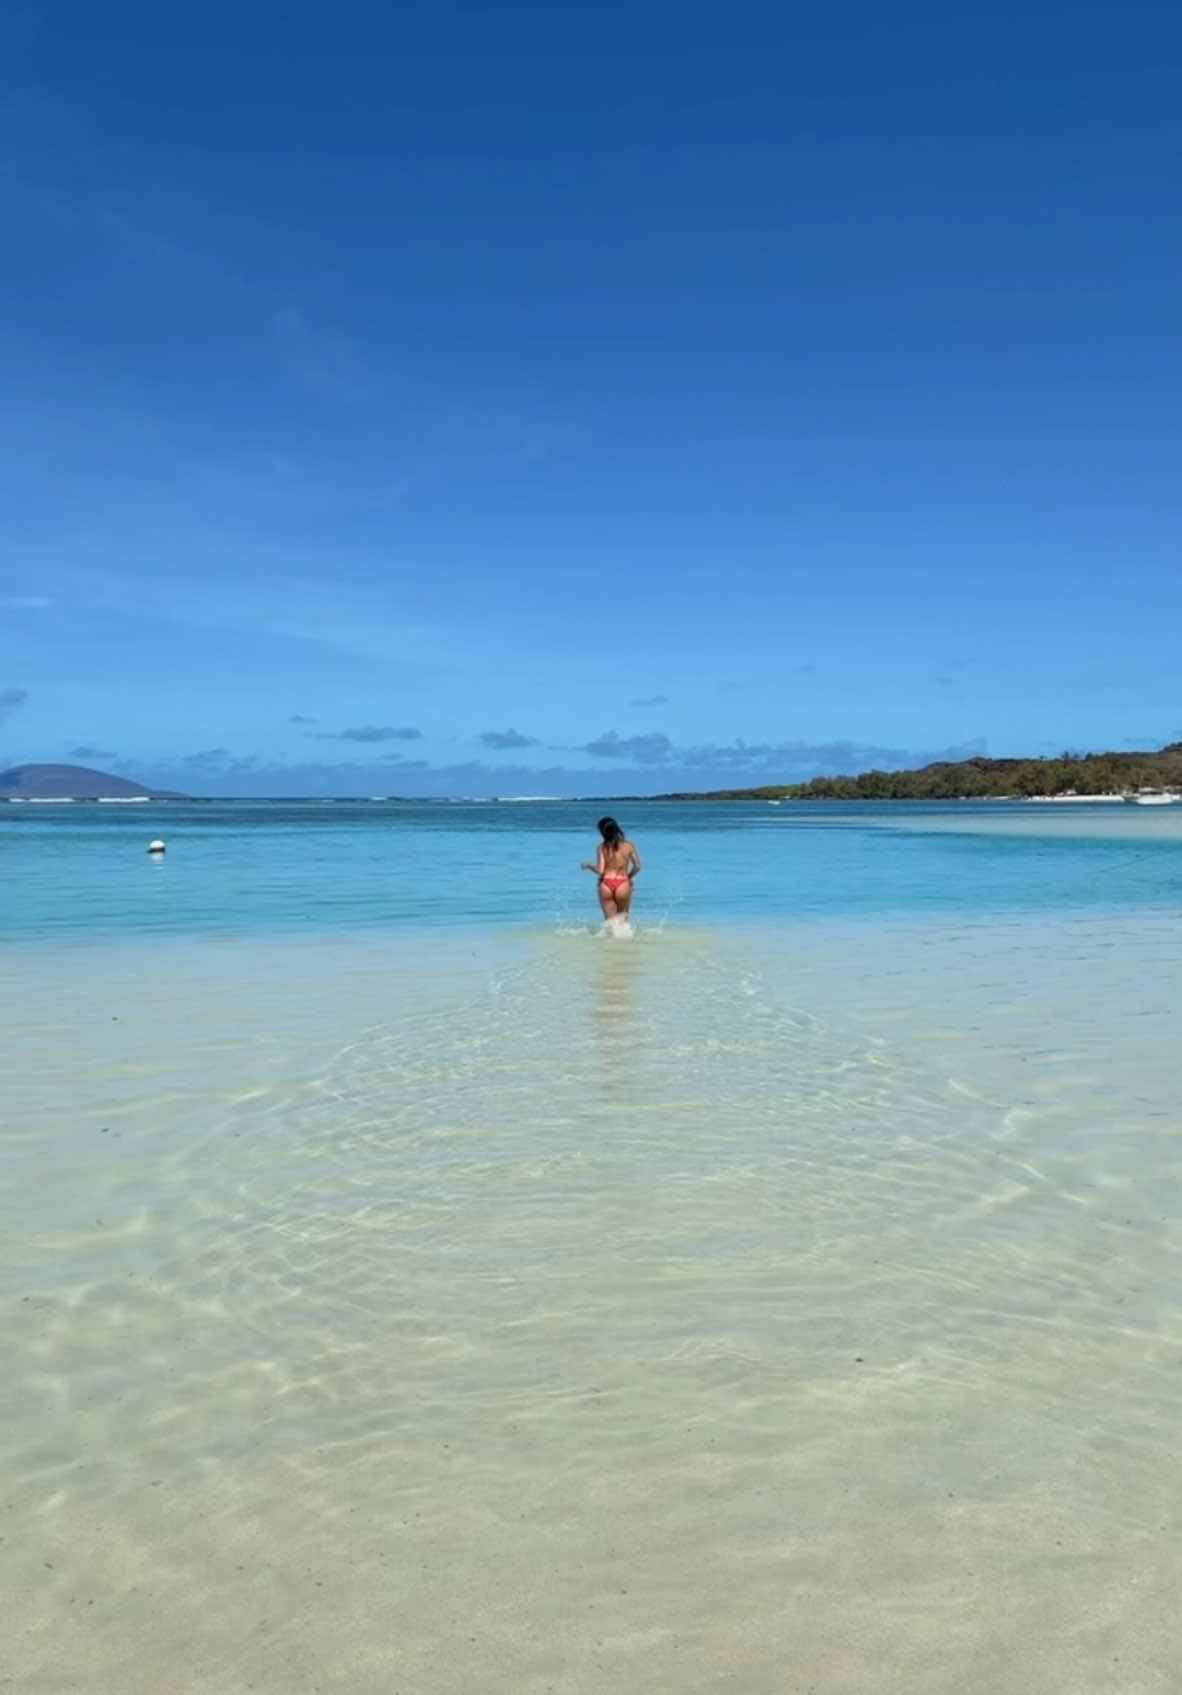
(73, 782)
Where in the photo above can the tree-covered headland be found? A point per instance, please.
(983, 779)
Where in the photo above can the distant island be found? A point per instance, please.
(73, 782)
(1071, 774)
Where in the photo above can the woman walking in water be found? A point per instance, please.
(616, 865)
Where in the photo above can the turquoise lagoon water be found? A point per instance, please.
(406, 1288)
(245, 867)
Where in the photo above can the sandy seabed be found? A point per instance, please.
(793, 1310)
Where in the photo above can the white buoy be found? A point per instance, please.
(156, 847)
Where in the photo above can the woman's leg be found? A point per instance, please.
(607, 901)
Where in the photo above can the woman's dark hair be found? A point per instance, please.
(610, 831)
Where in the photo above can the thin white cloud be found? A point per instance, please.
(11, 700)
(768, 761)
(507, 739)
(652, 749)
(371, 733)
(218, 771)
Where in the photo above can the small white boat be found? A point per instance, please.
(1152, 797)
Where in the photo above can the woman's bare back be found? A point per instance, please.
(618, 861)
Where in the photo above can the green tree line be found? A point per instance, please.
(983, 779)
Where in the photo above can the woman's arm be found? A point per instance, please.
(597, 867)
(636, 865)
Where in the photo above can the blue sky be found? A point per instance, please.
(532, 399)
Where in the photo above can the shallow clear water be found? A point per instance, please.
(242, 867)
(786, 1298)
